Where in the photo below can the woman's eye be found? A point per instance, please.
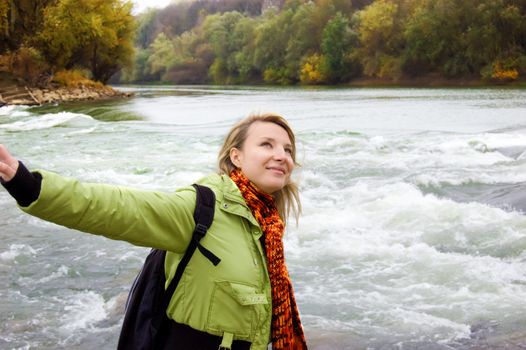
(266, 144)
(288, 150)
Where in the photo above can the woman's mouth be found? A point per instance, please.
(278, 170)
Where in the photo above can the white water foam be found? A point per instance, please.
(16, 250)
(61, 272)
(83, 310)
(46, 121)
(387, 256)
(428, 159)
(400, 213)
(14, 111)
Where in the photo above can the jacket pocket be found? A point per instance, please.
(235, 308)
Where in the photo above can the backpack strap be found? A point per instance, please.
(203, 216)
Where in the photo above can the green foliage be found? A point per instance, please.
(184, 16)
(436, 37)
(336, 46)
(271, 41)
(277, 76)
(147, 28)
(495, 34)
(20, 21)
(223, 35)
(97, 34)
(303, 36)
(243, 54)
(231, 42)
(162, 55)
(331, 41)
(381, 39)
(463, 38)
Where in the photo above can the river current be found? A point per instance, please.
(413, 233)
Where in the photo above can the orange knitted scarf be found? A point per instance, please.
(287, 332)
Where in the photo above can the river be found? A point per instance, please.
(412, 235)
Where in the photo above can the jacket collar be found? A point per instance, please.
(230, 198)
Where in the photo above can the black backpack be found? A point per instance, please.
(148, 300)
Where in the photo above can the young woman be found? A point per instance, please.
(246, 301)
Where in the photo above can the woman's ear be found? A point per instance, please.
(234, 157)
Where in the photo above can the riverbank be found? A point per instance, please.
(433, 81)
(14, 91)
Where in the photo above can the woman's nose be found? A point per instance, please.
(279, 154)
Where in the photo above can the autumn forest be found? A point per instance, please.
(256, 41)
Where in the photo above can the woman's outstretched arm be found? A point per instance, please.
(152, 219)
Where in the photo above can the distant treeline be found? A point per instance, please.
(331, 41)
(252, 41)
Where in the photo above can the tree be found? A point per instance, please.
(20, 20)
(96, 34)
(381, 39)
(303, 36)
(272, 37)
(220, 32)
(4, 25)
(244, 39)
(162, 55)
(336, 47)
(464, 37)
(493, 40)
(194, 56)
(148, 27)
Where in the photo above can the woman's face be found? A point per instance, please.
(265, 157)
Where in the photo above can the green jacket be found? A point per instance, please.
(233, 297)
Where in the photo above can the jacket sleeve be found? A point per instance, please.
(144, 218)
(24, 187)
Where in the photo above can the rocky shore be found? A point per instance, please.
(16, 92)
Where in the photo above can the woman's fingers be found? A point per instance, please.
(6, 172)
(8, 164)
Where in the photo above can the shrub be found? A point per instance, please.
(28, 63)
(310, 72)
(277, 76)
(501, 71)
(505, 74)
(75, 78)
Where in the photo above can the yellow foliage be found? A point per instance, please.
(75, 78)
(269, 75)
(310, 70)
(377, 24)
(390, 67)
(501, 73)
(4, 8)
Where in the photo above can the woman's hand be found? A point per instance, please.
(8, 164)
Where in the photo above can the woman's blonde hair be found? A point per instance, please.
(287, 199)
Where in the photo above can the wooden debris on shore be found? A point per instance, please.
(15, 92)
(35, 96)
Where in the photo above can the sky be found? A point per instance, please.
(141, 5)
